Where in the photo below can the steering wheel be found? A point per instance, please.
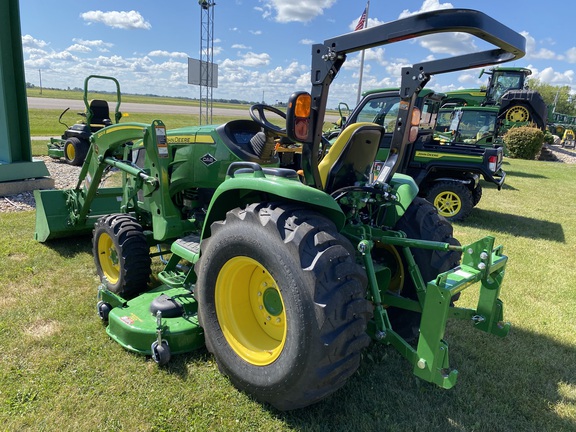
(257, 112)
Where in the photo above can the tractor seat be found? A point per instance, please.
(100, 114)
(349, 160)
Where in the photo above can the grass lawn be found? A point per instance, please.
(60, 371)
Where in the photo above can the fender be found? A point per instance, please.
(405, 189)
(248, 182)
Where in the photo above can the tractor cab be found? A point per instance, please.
(502, 80)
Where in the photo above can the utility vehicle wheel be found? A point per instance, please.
(282, 303)
(421, 221)
(476, 195)
(121, 254)
(453, 200)
(75, 151)
(161, 353)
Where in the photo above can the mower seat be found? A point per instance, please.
(349, 160)
(100, 114)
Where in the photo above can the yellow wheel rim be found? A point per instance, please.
(518, 114)
(70, 152)
(108, 257)
(391, 257)
(448, 203)
(250, 311)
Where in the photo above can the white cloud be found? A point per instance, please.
(100, 45)
(533, 52)
(174, 54)
(550, 76)
(306, 41)
(240, 46)
(295, 10)
(117, 19)
(30, 42)
(250, 60)
(79, 48)
(571, 55)
(427, 6)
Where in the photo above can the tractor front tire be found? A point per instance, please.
(121, 254)
(282, 303)
(75, 151)
(453, 200)
(421, 221)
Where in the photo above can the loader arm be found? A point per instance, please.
(62, 212)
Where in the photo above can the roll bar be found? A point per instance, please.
(328, 58)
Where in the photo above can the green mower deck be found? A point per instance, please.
(134, 323)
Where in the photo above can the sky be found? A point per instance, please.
(263, 47)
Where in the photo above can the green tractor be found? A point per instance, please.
(507, 92)
(74, 143)
(285, 278)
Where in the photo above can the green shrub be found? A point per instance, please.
(524, 142)
(548, 137)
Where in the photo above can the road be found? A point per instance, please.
(127, 107)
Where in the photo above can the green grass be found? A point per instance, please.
(111, 98)
(60, 371)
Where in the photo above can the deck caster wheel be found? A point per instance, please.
(103, 309)
(161, 353)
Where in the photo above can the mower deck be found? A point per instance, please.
(134, 323)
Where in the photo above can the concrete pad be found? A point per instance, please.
(19, 186)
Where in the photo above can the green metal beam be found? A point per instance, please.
(15, 150)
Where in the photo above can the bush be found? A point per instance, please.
(548, 137)
(524, 142)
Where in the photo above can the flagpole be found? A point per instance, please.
(359, 95)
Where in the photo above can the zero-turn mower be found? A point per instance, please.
(75, 141)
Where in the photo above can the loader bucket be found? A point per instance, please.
(53, 217)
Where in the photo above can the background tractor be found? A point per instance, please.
(75, 141)
(507, 92)
(285, 278)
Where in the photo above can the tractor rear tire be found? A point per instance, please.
(121, 254)
(75, 151)
(453, 200)
(282, 303)
(421, 221)
(476, 195)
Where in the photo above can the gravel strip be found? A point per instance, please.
(65, 177)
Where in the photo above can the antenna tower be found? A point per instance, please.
(206, 59)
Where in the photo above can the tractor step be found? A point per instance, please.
(175, 274)
(187, 247)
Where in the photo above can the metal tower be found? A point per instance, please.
(207, 69)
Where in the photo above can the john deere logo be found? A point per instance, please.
(208, 159)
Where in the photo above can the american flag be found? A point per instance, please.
(361, 21)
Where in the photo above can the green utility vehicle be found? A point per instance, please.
(75, 141)
(447, 175)
(285, 278)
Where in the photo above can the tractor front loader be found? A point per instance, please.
(286, 278)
